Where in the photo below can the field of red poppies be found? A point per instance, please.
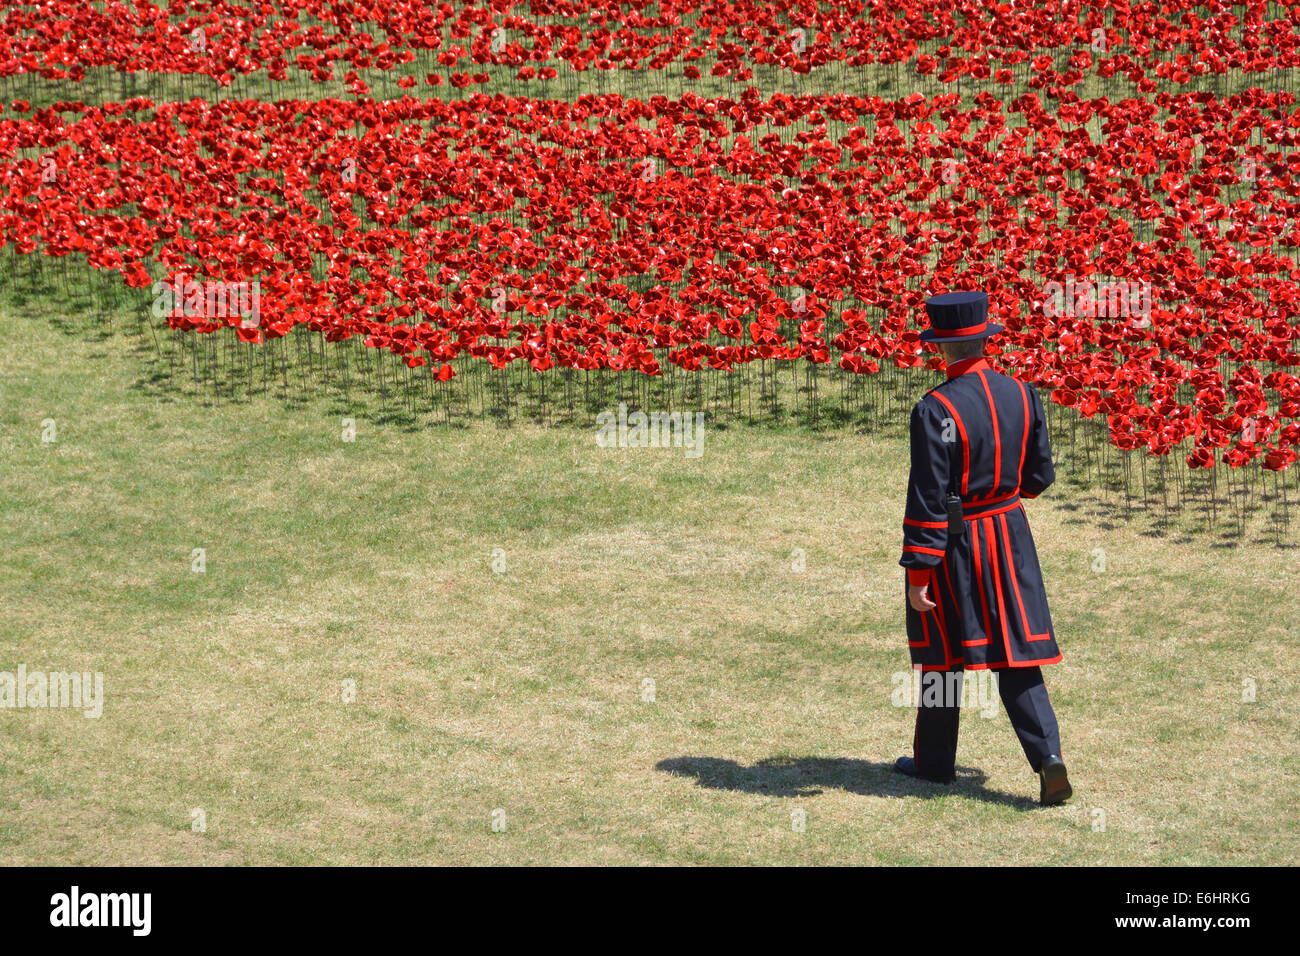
(1043, 44)
(1122, 179)
(314, 308)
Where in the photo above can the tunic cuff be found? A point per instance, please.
(918, 577)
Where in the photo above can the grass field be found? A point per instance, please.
(517, 682)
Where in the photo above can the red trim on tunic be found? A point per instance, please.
(988, 510)
(965, 445)
(1006, 547)
(997, 587)
(950, 655)
(921, 550)
(943, 631)
(979, 586)
(993, 501)
(999, 665)
(997, 438)
(937, 598)
(940, 622)
(913, 522)
(962, 366)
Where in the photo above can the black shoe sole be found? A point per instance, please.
(1055, 786)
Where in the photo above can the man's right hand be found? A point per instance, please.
(919, 600)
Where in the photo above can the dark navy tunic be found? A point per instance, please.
(984, 435)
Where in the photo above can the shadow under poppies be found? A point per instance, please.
(809, 776)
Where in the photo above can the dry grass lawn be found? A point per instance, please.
(523, 688)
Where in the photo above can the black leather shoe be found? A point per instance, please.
(907, 765)
(1054, 785)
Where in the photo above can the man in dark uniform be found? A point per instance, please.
(975, 595)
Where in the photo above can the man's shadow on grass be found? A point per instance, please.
(808, 776)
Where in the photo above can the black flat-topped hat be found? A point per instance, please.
(958, 317)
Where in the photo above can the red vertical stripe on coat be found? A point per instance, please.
(997, 587)
(965, 445)
(979, 584)
(997, 439)
(1006, 546)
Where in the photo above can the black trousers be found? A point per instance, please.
(1024, 695)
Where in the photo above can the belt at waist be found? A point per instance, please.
(986, 508)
